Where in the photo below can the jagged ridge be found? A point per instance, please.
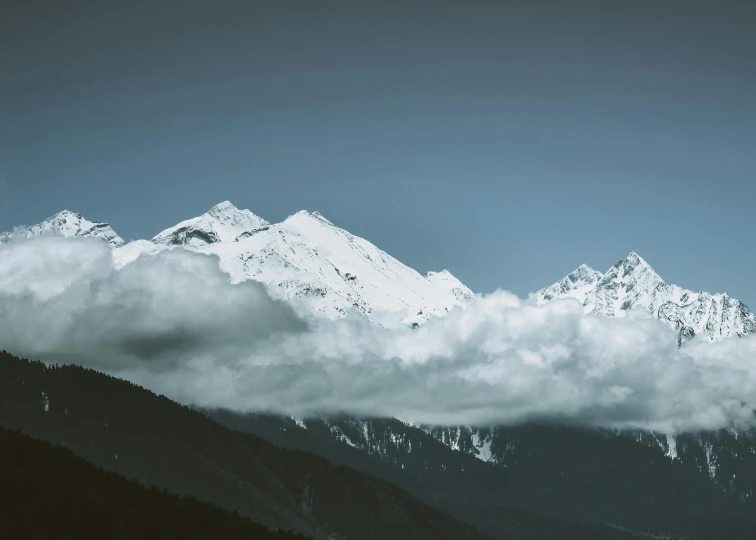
(66, 223)
(223, 223)
(632, 283)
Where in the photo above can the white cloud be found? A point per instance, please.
(174, 322)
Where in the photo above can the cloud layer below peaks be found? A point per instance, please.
(174, 323)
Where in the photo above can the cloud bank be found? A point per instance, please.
(174, 323)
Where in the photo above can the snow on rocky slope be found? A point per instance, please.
(305, 259)
(632, 284)
(223, 223)
(66, 223)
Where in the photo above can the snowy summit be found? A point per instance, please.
(223, 223)
(632, 284)
(66, 223)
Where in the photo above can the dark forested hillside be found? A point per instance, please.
(503, 505)
(129, 430)
(570, 484)
(47, 492)
(582, 483)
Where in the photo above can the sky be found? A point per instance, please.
(506, 141)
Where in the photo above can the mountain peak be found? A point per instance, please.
(636, 259)
(585, 270)
(224, 206)
(309, 215)
(224, 222)
(66, 223)
(633, 264)
(65, 214)
(633, 284)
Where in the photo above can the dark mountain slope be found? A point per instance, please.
(127, 429)
(581, 480)
(47, 492)
(500, 503)
(695, 481)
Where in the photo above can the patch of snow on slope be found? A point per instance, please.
(299, 422)
(671, 447)
(339, 435)
(483, 446)
(711, 460)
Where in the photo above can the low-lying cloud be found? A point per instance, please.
(174, 322)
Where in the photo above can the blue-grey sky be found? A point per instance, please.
(506, 141)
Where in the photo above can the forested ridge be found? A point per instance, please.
(47, 492)
(148, 438)
(127, 429)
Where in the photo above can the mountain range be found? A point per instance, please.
(325, 270)
(305, 259)
(531, 481)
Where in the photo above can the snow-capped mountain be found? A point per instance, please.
(66, 223)
(308, 260)
(223, 223)
(632, 284)
(324, 269)
(305, 259)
